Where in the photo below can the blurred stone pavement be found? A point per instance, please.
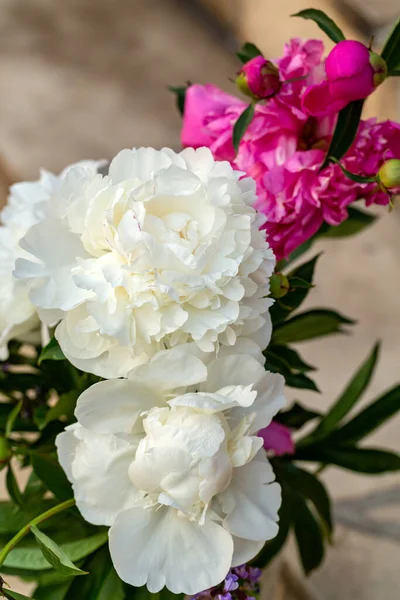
(85, 78)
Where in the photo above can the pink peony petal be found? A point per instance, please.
(318, 100)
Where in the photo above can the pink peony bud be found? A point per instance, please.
(389, 175)
(259, 79)
(277, 437)
(352, 73)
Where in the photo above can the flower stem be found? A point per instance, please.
(36, 521)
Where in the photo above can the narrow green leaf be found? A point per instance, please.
(20, 424)
(309, 325)
(94, 586)
(28, 556)
(55, 556)
(297, 416)
(12, 417)
(369, 419)
(292, 358)
(353, 176)
(349, 397)
(391, 49)
(301, 382)
(64, 408)
(49, 471)
(308, 534)
(14, 595)
(362, 460)
(54, 592)
(345, 131)
(51, 352)
(308, 486)
(12, 487)
(324, 22)
(239, 129)
(248, 51)
(357, 221)
(180, 95)
(12, 519)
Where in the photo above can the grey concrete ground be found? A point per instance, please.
(84, 78)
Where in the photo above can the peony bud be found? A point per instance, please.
(259, 79)
(389, 174)
(379, 68)
(5, 452)
(279, 285)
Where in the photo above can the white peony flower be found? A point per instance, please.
(176, 469)
(164, 250)
(29, 203)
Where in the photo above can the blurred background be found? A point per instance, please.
(85, 78)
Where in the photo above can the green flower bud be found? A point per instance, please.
(379, 67)
(279, 285)
(389, 174)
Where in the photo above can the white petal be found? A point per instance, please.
(232, 369)
(114, 406)
(244, 550)
(252, 501)
(160, 548)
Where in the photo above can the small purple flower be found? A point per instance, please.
(241, 583)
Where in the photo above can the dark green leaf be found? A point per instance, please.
(394, 73)
(101, 583)
(369, 419)
(34, 490)
(301, 382)
(12, 417)
(345, 131)
(309, 536)
(296, 417)
(307, 485)
(180, 94)
(279, 364)
(55, 556)
(12, 519)
(391, 49)
(49, 471)
(64, 408)
(248, 51)
(28, 556)
(15, 595)
(20, 423)
(271, 548)
(12, 487)
(362, 460)
(309, 325)
(357, 221)
(51, 352)
(349, 397)
(292, 358)
(54, 592)
(239, 129)
(324, 22)
(353, 176)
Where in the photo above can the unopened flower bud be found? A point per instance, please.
(279, 285)
(5, 452)
(389, 174)
(379, 68)
(259, 79)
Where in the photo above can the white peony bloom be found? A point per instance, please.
(176, 469)
(29, 203)
(164, 250)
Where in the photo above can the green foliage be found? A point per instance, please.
(15, 595)
(248, 51)
(51, 352)
(55, 555)
(391, 49)
(345, 131)
(287, 362)
(180, 95)
(361, 460)
(241, 125)
(48, 470)
(13, 488)
(297, 416)
(353, 176)
(324, 22)
(309, 325)
(102, 583)
(308, 533)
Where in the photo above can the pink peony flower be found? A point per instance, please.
(259, 78)
(277, 437)
(352, 73)
(283, 150)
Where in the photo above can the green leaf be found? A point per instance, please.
(369, 419)
(345, 131)
(272, 547)
(362, 460)
(55, 555)
(357, 221)
(12, 417)
(180, 95)
(394, 73)
(292, 358)
(49, 471)
(20, 424)
(391, 49)
(28, 556)
(308, 534)
(277, 363)
(309, 325)
(54, 592)
(297, 416)
(308, 486)
(12, 487)
(12, 519)
(353, 176)
(51, 352)
(101, 580)
(15, 595)
(239, 129)
(64, 409)
(248, 51)
(349, 397)
(301, 382)
(324, 22)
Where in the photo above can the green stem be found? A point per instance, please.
(36, 521)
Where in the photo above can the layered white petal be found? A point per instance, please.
(166, 549)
